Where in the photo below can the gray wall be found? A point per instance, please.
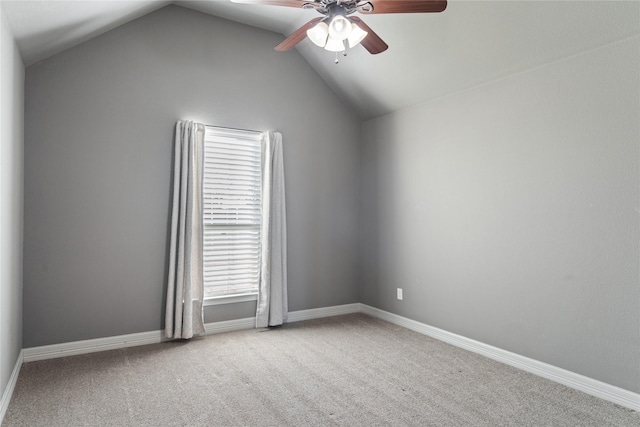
(508, 213)
(98, 147)
(11, 190)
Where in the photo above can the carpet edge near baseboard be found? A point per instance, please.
(11, 385)
(73, 348)
(579, 382)
(573, 380)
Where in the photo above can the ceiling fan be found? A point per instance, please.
(339, 28)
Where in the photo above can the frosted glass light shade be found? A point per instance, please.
(334, 45)
(319, 34)
(339, 28)
(357, 35)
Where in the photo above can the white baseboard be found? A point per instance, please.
(73, 348)
(579, 382)
(11, 385)
(230, 325)
(122, 341)
(316, 313)
(142, 338)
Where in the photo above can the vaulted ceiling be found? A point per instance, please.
(430, 55)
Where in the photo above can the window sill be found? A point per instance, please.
(231, 299)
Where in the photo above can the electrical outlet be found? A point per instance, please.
(399, 292)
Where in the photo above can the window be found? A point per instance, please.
(231, 212)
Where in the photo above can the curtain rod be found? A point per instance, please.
(238, 129)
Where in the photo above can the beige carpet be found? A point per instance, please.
(349, 370)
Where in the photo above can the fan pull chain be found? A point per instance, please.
(343, 54)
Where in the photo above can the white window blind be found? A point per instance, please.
(231, 212)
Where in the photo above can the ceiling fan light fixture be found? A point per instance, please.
(356, 36)
(339, 22)
(319, 34)
(339, 27)
(334, 45)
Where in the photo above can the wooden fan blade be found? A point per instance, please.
(288, 3)
(297, 36)
(407, 6)
(373, 43)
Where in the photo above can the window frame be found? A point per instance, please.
(245, 136)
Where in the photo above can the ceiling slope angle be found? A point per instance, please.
(430, 55)
(471, 43)
(43, 28)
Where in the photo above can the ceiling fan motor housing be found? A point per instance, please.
(337, 26)
(337, 7)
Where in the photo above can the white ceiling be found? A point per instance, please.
(430, 55)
